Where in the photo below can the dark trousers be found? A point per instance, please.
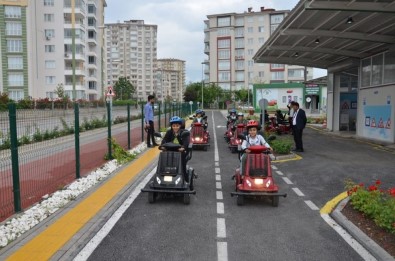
(150, 134)
(298, 138)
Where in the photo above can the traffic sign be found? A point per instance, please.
(110, 92)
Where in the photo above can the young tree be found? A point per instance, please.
(123, 89)
(193, 92)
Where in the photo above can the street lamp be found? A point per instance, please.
(202, 82)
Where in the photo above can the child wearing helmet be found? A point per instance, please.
(199, 118)
(253, 138)
(231, 117)
(174, 135)
(240, 120)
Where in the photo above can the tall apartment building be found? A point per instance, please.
(170, 80)
(37, 48)
(131, 53)
(232, 39)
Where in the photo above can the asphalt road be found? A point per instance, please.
(215, 228)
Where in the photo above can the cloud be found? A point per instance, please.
(180, 23)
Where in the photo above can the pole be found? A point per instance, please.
(202, 83)
(14, 158)
(77, 139)
(128, 108)
(109, 127)
(73, 46)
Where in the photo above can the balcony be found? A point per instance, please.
(92, 41)
(78, 56)
(68, 70)
(207, 50)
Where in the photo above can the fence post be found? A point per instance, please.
(77, 140)
(128, 119)
(165, 109)
(14, 157)
(142, 122)
(159, 116)
(109, 130)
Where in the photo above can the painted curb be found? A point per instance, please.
(377, 251)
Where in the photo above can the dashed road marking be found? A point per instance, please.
(221, 228)
(222, 251)
(219, 195)
(311, 205)
(298, 192)
(217, 170)
(287, 180)
(279, 173)
(220, 208)
(274, 167)
(216, 164)
(218, 185)
(218, 177)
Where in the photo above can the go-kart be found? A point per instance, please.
(200, 137)
(282, 127)
(229, 125)
(235, 141)
(170, 177)
(257, 180)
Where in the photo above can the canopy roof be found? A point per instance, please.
(327, 33)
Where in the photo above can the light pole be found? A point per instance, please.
(202, 81)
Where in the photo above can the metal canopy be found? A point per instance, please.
(326, 33)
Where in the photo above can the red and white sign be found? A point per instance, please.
(110, 92)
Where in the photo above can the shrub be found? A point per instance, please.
(281, 146)
(119, 153)
(376, 203)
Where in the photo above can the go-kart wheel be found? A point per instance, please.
(240, 200)
(151, 197)
(275, 201)
(187, 199)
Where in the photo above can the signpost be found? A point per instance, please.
(110, 93)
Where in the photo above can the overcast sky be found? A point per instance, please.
(180, 24)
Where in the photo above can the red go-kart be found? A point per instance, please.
(200, 137)
(279, 128)
(257, 179)
(235, 141)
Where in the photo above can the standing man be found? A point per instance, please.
(299, 121)
(149, 121)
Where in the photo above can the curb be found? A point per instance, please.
(371, 246)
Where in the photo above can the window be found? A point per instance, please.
(240, 21)
(239, 32)
(12, 11)
(49, 48)
(250, 41)
(223, 32)
(223, 65)
(389, 68)
(250, 51)
(224, 54)
(223, 76)
(49, 2)
(14, 46)
(13, 28)
(15, 95)
(276, 18)
(50, 64)
(250, 29)
(239, 54)
(239, 65)
(298, 73)
(15, 63)
(49, 33)
(225, 43)
(261, 40)
(250, 19)
(250, 63)
(223, 21)
(278, 75)
(15, 79)
(239, 43)
(366, 70)
(50, 79)
(261, 74)
(276, 66)
(49, 17)
(377, 69)
(240, 76)
(261, 29)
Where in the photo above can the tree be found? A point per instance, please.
(123, 89)
(59, 90)
(193, 92)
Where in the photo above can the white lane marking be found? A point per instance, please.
(221, 228)
(298, 192)
(274, 167)
(218, 177)
(103, 232)
(287, 180)
(220, 208)
(348, 238)
(222, 250)
(217, 170)
(279, 173)
(311, 205)
(218, 185)
(219, 195)
(216, 164)
(216, 156)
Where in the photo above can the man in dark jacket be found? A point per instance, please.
(299, 121)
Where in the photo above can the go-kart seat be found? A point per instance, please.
(169, 163)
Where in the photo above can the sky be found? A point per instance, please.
(180, 24)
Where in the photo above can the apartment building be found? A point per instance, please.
(131, 52)
(170, 80)
(40, 48)
(232, 39)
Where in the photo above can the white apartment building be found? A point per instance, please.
(170, 80)
(39, 48)
(232, 39)
(131, 53)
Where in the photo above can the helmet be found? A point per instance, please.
(252, 123)
(198, 111)
(240, 114)
(233, 111)
(175, 119)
